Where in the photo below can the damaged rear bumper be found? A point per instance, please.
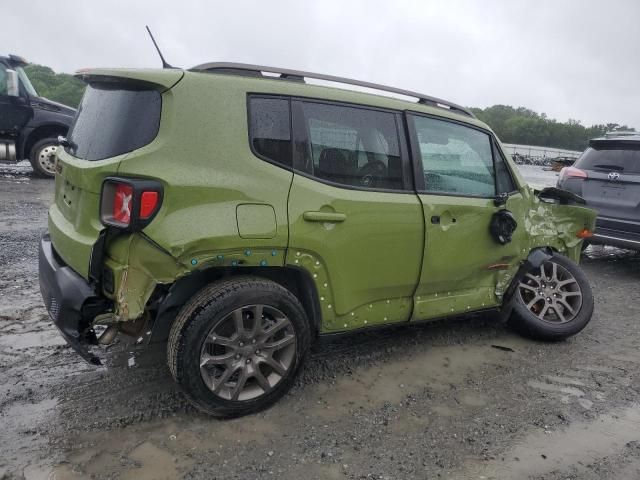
(70, 300)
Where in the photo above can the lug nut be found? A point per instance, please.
(237, 356)
(258, 352)
(253, 341)
(248, 360)
(241, 344)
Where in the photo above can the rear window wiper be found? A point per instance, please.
(610, 167)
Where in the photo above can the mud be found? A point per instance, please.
(431, 401)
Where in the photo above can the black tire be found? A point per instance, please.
(41, 157)
(525, 322)
(212, 306)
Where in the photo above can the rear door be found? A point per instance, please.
(355, 221)
(459, 172)
(612, 185)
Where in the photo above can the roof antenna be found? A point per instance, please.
(164, 62)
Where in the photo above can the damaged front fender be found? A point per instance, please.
(555, 218)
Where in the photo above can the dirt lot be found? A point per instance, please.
(434, 401)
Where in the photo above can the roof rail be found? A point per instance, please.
(297, 75)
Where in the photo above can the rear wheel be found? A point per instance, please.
(43, 157)
(553, 301)
(236, 346)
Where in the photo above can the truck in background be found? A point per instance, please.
(29, 124)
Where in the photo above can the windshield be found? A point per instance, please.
(26, 82)
(114, 119)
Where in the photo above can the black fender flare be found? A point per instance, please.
(535, 259)
(298, 281)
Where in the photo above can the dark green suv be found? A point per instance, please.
(237, 212)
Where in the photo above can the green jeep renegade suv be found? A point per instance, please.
(237, 212)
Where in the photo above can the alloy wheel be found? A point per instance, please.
(551, 293)
(248, 352)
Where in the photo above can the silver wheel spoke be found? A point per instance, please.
(239, 321)
(558, 310)
(564, 303)
(233, 353)
(276, 365)
(529, 287)
(535, 300)
(242, 380)
(279, 325)
(533, 278)
(216, 359)
(257, 320)
(572, 294)
(543, 311)
(568, 281)
(219, 383)
(262, 380)
(223, 341)
(280, 344)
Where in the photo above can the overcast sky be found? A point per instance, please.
(570, 59)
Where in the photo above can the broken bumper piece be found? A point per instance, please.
(71, 302)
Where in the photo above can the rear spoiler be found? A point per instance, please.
(163, 80)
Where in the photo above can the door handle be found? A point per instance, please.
(331, 217)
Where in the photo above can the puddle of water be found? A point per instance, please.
(373, 387)
(19, 437)
(576, 446)
(156, 464)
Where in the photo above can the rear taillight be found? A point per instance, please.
(122, 203)
(129, 204)
(572, 172)
(149, 202)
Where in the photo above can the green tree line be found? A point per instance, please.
(512, 125)
(526, 127)
(59, 87)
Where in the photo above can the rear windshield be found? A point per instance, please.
(612, 159)
(114, 119)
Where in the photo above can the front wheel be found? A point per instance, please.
(43, 157)
(236, 346)
(553, 301)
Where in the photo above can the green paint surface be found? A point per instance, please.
(379, 261)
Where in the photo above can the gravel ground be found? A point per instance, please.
(465, 398)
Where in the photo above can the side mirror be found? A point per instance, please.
(13, 89)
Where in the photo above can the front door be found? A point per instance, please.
(14, 111)
(355, 223)
(456, 177)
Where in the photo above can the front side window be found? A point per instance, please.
(504, 180)
(3, 79)
(351, 146)
(456, 160)
(269, 129)
(26, 83)
(113, 119)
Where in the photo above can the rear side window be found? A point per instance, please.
(114, 119)
(270, 129)
(351, 146)
(456, 159)
(624, 159)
